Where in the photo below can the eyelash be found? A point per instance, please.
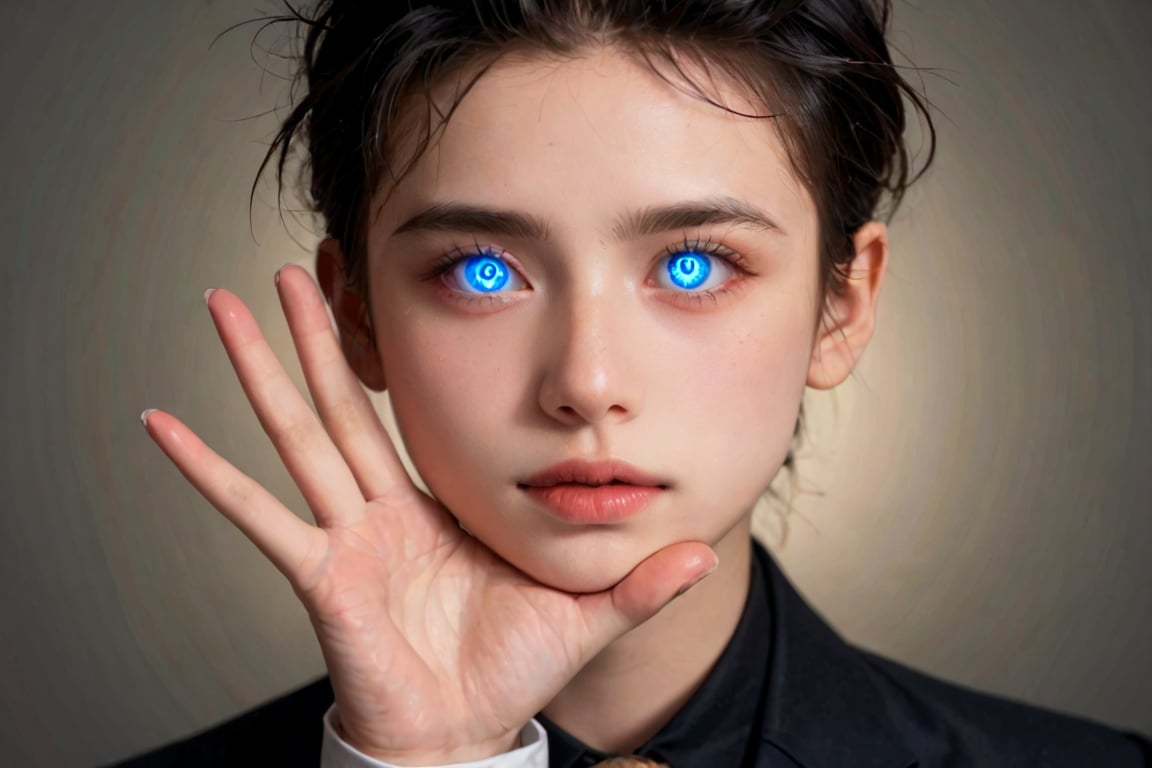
(453, 258)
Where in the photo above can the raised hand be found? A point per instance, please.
(438, 650)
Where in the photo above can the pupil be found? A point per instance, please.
(486, 274)
(689, 270)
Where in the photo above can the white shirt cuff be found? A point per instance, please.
(532, 752)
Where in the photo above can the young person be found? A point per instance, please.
(595, 251)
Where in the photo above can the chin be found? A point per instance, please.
(577, 581)
(578, 567)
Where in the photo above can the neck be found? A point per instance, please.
(625, 695)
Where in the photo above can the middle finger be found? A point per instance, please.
(305, 448)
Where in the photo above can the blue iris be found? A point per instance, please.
(486, 274)
(689, 270)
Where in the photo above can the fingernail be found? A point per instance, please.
(145, 414)
(284, 266)
(695, 581)
(208, 294)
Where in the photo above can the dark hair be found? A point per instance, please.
(821, 67)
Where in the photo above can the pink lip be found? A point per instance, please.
(593, 492)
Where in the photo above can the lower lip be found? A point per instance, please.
(594, 504)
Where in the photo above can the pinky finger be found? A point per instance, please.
(284, 538)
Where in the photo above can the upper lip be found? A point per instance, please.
(592, 473)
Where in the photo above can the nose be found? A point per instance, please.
(589, 377)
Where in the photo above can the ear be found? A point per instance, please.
(348, 307)
(849, 318)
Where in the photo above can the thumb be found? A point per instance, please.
(650, 586)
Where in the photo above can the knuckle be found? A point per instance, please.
(342, 416)
(237, 492)
(293, 437)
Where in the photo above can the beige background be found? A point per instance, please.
(979, 496)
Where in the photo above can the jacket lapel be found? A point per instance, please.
(824, 709)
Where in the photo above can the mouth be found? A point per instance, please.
(593, 474)
(584, 492)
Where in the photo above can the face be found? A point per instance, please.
(596, 305)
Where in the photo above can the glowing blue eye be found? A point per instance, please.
(689, 270)
(692, 270)
(486, 274)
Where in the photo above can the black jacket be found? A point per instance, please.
(830, 705)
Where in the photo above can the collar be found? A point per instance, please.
(719, 724)
(824, 708)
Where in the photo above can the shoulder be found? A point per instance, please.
(955, 725)
(833, 703)
(287, 731)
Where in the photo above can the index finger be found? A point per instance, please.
(341, 402)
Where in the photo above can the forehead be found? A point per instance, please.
(582, 138)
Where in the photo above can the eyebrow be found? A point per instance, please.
(717, 210)
(461, 217)
(458, 217)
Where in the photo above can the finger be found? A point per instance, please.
(305, 448)
(343, 405)
(284, 538)
(649, 587)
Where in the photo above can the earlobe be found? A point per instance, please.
(850, 317)
(357, 341)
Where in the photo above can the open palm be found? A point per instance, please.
(438, 650)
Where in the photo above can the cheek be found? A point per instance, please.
(747, 388)
(452, 389)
